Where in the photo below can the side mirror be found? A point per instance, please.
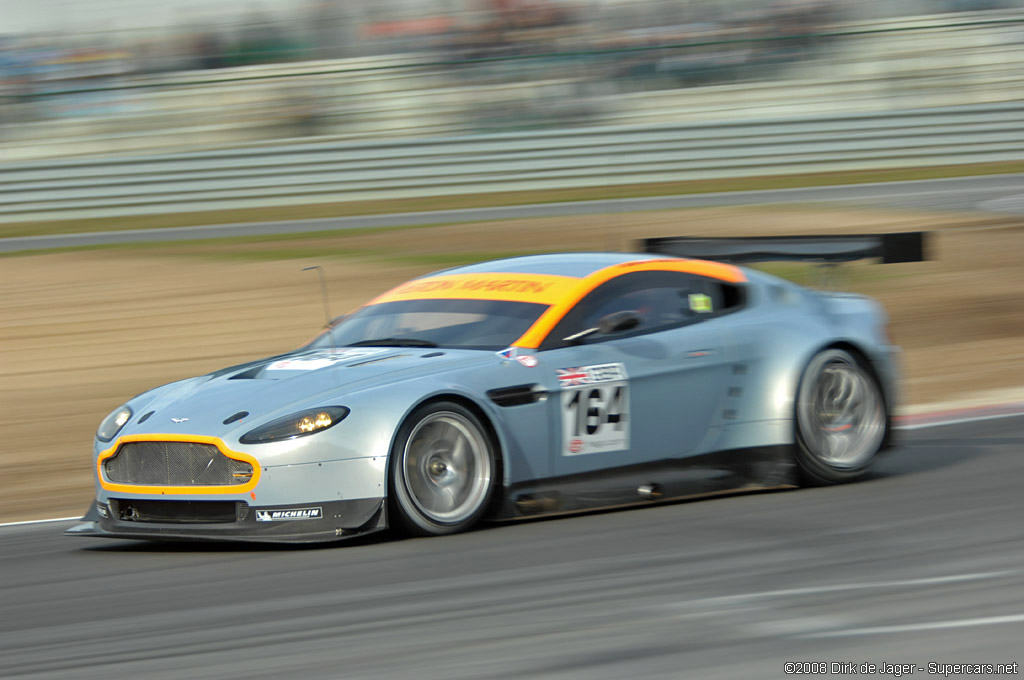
(619, 321)
(609, 323)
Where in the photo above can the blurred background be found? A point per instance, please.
(127, 116)
(126, 76)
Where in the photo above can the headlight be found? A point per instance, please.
(296, 425)
(113, 423)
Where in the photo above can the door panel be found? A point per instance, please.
(635, 400)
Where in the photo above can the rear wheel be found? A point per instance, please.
(840, 418)
(442, 470)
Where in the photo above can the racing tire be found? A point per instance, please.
(442, 472)
(841, 419)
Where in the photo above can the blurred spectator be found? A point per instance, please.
(545, 62)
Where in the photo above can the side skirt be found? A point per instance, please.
(712, 474)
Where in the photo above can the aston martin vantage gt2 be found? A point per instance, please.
(509, 389)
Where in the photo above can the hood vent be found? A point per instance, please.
(376, 360)
(248, 374)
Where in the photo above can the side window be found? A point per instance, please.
(661, 299)
(723, 298)
(658, 307)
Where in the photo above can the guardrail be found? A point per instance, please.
(330, 173)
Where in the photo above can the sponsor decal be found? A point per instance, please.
(700, 302)
(502, 285)
(510, 353)
(324, 358)
(289, 515)
(589, 375)
(541, 288)
(595, 409)
(179, 420)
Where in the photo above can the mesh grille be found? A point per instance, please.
(175, 464)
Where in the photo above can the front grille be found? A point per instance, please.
(175, 464)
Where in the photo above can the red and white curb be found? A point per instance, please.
(916, 421)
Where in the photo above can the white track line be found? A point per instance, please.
(920, 426)
(913, 627)
(958, 421)
(40, 521)
(841, 587)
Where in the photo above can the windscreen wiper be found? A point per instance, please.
(393, 342)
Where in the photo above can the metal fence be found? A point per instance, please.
(528, 161)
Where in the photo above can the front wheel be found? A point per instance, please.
(442, 470)
(840, 418)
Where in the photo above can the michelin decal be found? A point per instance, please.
(289, 515)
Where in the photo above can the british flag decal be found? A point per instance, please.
(571, 376)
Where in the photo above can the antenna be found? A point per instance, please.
(323, 292)
(829, 276)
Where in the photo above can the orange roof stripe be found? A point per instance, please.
(545, 289)
(533, 337)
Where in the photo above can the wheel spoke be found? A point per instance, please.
(448, 498)
(420, 488)
(841, 422)
(447, 468)
(459, 456)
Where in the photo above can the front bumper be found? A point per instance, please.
(289, 503)
(305, 523)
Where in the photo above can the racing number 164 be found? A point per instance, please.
(593, 408)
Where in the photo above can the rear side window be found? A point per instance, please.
(724, 297)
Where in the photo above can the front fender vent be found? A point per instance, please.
(517, 395)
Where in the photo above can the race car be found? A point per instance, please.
(511, 389)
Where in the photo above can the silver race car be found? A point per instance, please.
(511, 389)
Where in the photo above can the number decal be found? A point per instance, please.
(617, 406)
(595, 409)
(573, 405)
(594, 412)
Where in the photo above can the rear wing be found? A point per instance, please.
(832, 249)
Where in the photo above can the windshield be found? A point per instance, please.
(464, 324)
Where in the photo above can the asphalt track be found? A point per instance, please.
(987, 193)
(923, 563)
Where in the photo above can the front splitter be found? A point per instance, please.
(334, 521)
